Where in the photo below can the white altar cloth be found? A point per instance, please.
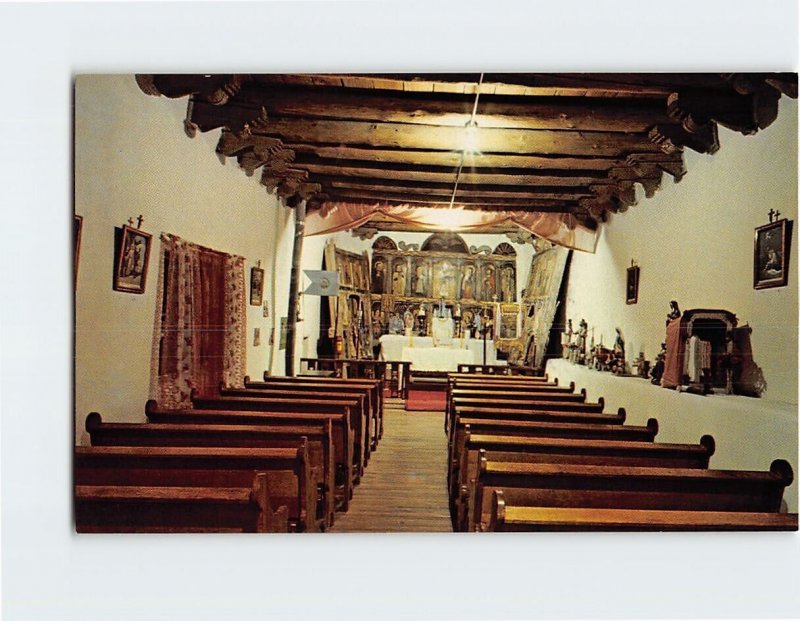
(420, 351)
(437, 358)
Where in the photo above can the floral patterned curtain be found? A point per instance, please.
(200, 322)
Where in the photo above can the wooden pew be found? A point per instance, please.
(617, 487)
(507, 517)
(497, 369)
(318, 437)
(353, 408)
(503, 378)
(374, 385)
(511, 406)
(542, 415)
(478, 447)
(288, 472)
(138, 509)
(342, 434)
(268, 393)
(459, 394)
(522, 428)
(372, 390)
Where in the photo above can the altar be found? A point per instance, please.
(421, 352)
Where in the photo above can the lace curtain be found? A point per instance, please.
(200, 322)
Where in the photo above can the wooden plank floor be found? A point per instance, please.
(404, 488)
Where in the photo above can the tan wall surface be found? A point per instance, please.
(132, 157)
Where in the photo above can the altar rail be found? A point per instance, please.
(395, 373)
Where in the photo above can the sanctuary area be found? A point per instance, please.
(435, 302)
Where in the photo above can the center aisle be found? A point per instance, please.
(404, 487)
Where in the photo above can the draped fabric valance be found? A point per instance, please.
(559, 228)
(200, 322)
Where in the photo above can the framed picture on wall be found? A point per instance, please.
(771, 254)
(256, 286)
(130, 264)
(632, 285)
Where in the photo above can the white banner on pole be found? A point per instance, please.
(323, 282)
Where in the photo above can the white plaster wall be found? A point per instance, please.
(694, 243)
(132, 157)
(749, 433)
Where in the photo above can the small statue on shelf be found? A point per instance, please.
(583, 332)
(642, 366)
(658, 367)
(566, 339)
(674, 311)
(619, 345)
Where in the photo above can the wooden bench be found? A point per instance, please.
(521, 428)
(497, 369)
(472, 377)
(287, 470)
(138, 509)
(536, 412)
(342, 434)
(364, 412)
(617, 487)
(375, 386)
(478, 447)
(506, 517)
(318, 437)
(462, 395)
(371, 389)
(353, 408)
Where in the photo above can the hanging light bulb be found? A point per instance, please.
(471, 143)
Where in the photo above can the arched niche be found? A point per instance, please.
(445, 242)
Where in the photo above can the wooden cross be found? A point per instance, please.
(777, 215)
(130, 221)
(140, 219)
(771, 213)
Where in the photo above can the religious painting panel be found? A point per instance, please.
(256, 286)
(344, 273)
(508, 283)
(421, 278)
(399, 282)
(131, 260)
(509, 320)
(488, 282)
(445, 242)
(378, 318)
(541, 297)
(444, 278)
(468, 287)
(632, 285)
(771, 254)
(379, 274)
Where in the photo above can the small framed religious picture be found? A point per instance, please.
(256, 286)
(632, 285)
(77, 230)
(771, 254)
(133, 257)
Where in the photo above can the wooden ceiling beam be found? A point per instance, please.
(452, 158)
(403, 136)
(651, 85)
(590, 114)
(472, 165)
(443, 189)
(561, 201)
(449, 177)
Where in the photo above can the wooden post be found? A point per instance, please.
(294, 285)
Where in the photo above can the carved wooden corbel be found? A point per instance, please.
(744, 113)
(364, 232)
(673, 138)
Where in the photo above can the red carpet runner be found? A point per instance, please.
(426, 400)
